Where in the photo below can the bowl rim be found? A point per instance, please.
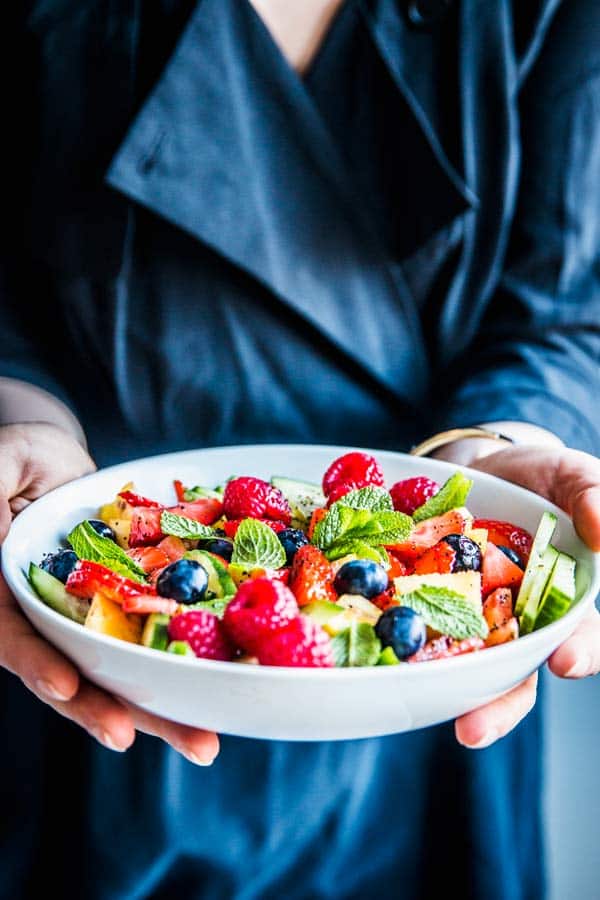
(19, 584)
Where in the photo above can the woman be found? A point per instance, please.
(356, 223)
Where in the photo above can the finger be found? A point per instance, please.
(26, 654)
(487, 724)
(200, 747)
(101, 715)
(579, 656)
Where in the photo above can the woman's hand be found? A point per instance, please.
(571, 480)
(34, 458)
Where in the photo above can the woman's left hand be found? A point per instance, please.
(571, 480)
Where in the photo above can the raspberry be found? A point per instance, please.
(299, 643)
(312, 576)
(231, 526)
(261, 605)
(358, 468)
(254, 498)
(203, 632)
(341, 488)
(411, 493)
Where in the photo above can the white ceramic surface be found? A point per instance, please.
(279, 703)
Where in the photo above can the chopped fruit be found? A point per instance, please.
(480, 536)
(205, 510)
(512, 555)
(261, 605)
(204, 632)
(220, 547)
(145, 526)
(361, 576)
(502, 634)
(508, 535)
(411, 493)
(107, 617)
(138, 500)
(89, 578)
(466, 583)
(363, 609)
(185, 581)
(497, 570)
(291, 540)
(428, 532)
(101, 528)
(173, 547)
(340, 490)
(149, 558)
(314, 520)
(254, 498)
(147, 604)
(498, 607)
(397, 567)
(300, 643)
(231, 526)
(312, 576)
(59, 564)
(359, 468)
(445, 647)
(384, 600)
(440, 558)
(179, 491)
(402, 629)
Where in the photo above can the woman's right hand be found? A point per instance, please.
(34, 458)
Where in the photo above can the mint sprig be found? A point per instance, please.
(346, 530)
(373, 498)
(184, 527)
(446, 611)
(452, 494)
(256, 546)
(89, 545)
(357, 645)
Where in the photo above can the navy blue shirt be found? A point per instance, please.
(223, 252)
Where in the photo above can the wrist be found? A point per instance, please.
(22, 403)
(465, 451)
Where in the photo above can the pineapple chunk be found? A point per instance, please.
(118, 516)
(466, 583)
(107, 617)
(363, 609)
(479, 536)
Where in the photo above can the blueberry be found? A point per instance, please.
(468, 553)
(512, 555)
(292, 539)
(402, 629)
(222, 548)
(59, 564)
(185, 581)
(102, 529)
(361, 576)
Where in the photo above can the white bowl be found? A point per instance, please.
(285, 703)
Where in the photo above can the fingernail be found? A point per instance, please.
(488, 738)
(194, 758)
(580, 668)
(47, 688)
(106, 740)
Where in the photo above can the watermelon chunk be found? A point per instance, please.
(497, 571)
(428, 532)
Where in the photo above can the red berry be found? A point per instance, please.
(497, 570)
(411, 493)
(358, 468)
(299, 643)
(505, 534)
(312, 576)
(231, 526)
(445, 647)
(204, 633)
(341, 488)
(261, 606)
(254, 498)
(439, 558)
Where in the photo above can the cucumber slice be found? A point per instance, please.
(559, 593)
(302, 496)
(53, 593)
(542, 539)
(220, 583)
(155, 633)
(540, 578)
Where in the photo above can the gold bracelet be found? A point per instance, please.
(456, 434)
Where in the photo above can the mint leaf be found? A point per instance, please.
(446, 611)
(333, 525)
(358, 548)
(198, 492)
(376, 499)
(88, 544)
(257, 546)
(357, 645)
(183, 527)
(342, 525)
(452, 494)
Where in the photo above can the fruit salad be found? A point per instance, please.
(286, 573)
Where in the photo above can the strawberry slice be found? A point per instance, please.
(439, 558)
(148, 605)
(498, 608)
(312, 576)
(145, 521)
(89, 578)
(149, 558)
(316, 517)
(137, 500)
(497, 571)
(506, 534)
(205, 510)
(428, 532)
(179, 491)
(173, 547)
(445, 647)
